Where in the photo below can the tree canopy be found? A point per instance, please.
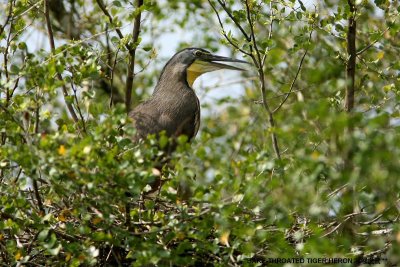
(303, 164)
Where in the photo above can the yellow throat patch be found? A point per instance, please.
(198, 68)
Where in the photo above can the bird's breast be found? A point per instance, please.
(179, 113)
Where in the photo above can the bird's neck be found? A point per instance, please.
(171, 81)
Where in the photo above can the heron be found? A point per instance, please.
(174, 106)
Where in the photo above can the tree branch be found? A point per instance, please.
(259, 64)
(78, 108)
(131, 47)
(53, 49)
(132, 54)
(351, 63)
(9, 16)
(224, 32)
(105, 11)
(37, 196)
(223, 5)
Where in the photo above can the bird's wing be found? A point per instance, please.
(182, 119)
(175, 119)
(197, 118)
(146, 119)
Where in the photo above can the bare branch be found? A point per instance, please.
(377, 232)
(110, 68)
(34, 180)
(346, 218)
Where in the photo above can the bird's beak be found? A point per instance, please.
(207, 63)
(212, 62)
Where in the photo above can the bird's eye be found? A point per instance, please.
(197, 53)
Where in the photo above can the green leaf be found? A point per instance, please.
(302, 5)
(15, 69)
(117, 3)
(43, 235)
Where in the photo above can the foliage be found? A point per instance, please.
(327, 188)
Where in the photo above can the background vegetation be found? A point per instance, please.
(303, 163)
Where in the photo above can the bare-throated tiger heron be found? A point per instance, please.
(174, 106)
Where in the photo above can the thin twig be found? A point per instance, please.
(271, 23)
(223, 5)
(337, 190)
(9, 16)
(112, 77)
(28, 9)
(295, 77)
(346, 218)
(5, 56)
(37, 116)
(116, 258)
(377, 232)
(257, 60)
(372, 221)
(37, 196)
(224, 32)
(128, 215)
(110, 18)
(34, 238)
(371, 44)
(78, 108)
(335, 228)
(110, 69)
(379, 251)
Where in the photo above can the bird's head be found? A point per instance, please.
(193, 62)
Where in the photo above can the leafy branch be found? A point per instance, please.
(259, 63)
(296, 75)
(255, 54)
(131, 47)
